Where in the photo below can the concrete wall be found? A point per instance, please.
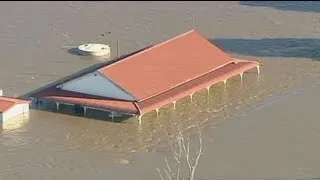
(17, 110)
(96, 84)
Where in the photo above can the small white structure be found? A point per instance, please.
(12, 107)
(93, 49)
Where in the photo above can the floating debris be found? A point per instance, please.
(124, 161)
(93, 49)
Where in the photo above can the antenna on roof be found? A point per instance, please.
(193, 23)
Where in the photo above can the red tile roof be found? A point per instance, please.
(7, 102)
(166, 65)
(150, 104)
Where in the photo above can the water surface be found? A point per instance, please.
(35, 39)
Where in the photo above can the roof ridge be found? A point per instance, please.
(152, 47)
(12, 99)
(7, 99)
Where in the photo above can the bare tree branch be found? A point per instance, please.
(160, 174)
(198, 156)
(168, 166)
(181, 149)
(168, 174)
(178, 159)
(186, 149)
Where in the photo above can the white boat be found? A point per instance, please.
(93, 49)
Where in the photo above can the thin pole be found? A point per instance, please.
(193, 23)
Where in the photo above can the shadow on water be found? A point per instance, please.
(305, 6)
(74, 51)
(273, 47)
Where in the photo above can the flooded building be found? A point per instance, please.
(151, 78)
(12, 107)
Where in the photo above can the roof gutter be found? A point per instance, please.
(138, 108)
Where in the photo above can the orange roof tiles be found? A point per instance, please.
(166, 65)
(7, 102)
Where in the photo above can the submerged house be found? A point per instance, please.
(12, 107)
(151, 78)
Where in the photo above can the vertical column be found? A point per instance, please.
(37, 102)
(191, 96)
(57, 105)
(258, 69)
(112, 115)
(140, 119)
(174, 104)
(84, 110)
(241, 76)
(225, 82)
(208, 90)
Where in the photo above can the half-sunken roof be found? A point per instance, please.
(7, 102)
(166, 65)
(150, 104)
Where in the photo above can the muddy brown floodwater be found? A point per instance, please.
(240, 123)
